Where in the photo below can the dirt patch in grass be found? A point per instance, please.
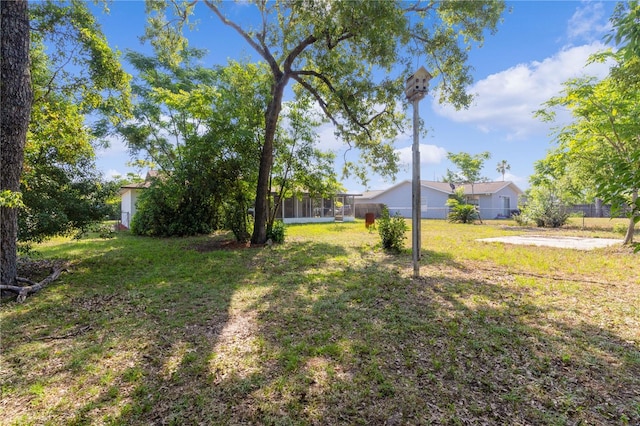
(36, 270)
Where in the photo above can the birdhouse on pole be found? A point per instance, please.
(418, 85)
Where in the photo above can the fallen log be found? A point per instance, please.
(32, 287)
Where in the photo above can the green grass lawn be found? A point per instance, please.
(328, 329)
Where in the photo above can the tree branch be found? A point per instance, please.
(362, 124)
(297, 51)
(24, 292)
(418, 8)
(261, 48)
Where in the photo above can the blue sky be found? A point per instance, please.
(539, 45)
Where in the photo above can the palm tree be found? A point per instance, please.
(502, 168)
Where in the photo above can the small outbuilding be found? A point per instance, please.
(129, 197)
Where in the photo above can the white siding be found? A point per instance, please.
(496, 207)
(128, 206)
(435, 203)
(398, 201)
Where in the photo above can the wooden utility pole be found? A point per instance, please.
(416, 89)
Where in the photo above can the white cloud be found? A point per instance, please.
(429, 154)
(505, 101)
(589, 22)
(327, 140)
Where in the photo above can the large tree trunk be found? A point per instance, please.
(266, 162)
(15, 109)
(628, 238)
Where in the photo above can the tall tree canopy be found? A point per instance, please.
(334, 52)
(598, 153)
(602, 143)
(202, 129)
(75, 73)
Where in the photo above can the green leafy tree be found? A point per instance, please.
(565, 176)
(502, 168)
(199, 127)
(544, 208)
(81, 75)
(63, 192)
(469, 168)
(625, 28)
(331, 51)
(603, 140)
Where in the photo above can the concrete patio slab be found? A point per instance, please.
(562, 242)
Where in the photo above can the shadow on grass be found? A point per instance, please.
(131, 335)
(310, 333)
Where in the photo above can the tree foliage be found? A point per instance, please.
(544, 208)
(625, 33)
(199, 126)
(74, 73)
(63, 192)
(469, 168)
(602, 143)
(332, 52)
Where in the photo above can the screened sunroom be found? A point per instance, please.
(306, 209)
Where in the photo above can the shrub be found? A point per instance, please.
(237, 218)
(620, 228)
(392, 231)
(520, 219)
(166, 210)
(462, 213)
(277, 232)
(545, 210)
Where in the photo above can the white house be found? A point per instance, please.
(494, 199)
(129, 197)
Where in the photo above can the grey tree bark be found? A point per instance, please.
(16, 97)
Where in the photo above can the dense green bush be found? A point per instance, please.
(520, 219)
(277, 232)
(166, 210)
(392, 231)
(545, 209)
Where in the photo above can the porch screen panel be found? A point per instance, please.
(305, 207)
(289, 208)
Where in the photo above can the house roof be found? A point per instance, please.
(151, 174)
(478, 188)
(371, 194)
